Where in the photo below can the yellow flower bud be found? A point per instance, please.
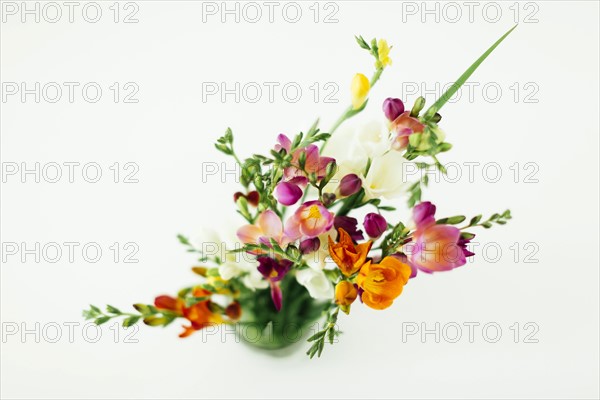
(384, 54)
(360, 90)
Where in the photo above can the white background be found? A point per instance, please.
(169, 133)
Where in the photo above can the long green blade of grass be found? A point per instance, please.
(463, 78)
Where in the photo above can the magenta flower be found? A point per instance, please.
(424, 214)
(308, 246)
(375, 224)
(310, 220)
(349, 185)
(350, 225)
(283, 142)
(287, 193)
(392, 108)
(274, 271)
(436, 247)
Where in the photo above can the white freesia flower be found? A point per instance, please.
(232, 265)
(373, 140)
(386, 177)
(353, 149)
(316, 282)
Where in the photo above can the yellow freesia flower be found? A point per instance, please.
(360, 90)
(384, 54)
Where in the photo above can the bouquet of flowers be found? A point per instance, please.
(303, 256)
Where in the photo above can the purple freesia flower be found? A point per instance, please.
(308, 246)
(274, 271)
(349, 185)
(392, 108)
(375, 224)
(350, 225)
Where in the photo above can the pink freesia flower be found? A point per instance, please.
(436, 247)
(403, 127)
(268, 226)
(289, 191)
(310, 220)
(283, 142)
(314, 164)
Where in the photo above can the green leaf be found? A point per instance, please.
(362, 43)
(475, 220)
(112, 310)
(142, 308)
(463, 78)
(451, 220)
(316, 336)
(183, 240)
(131, 321)
(101, 320)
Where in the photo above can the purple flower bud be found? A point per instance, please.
(287, 193)
(328, 199)
(424, 214)
(309, 245)
(392, 108)
(348, 224)
(349, 185)
(375, 225)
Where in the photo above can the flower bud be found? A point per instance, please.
(253, 198)
(349, 185)
(328, 199)
(360, 90)
(237, 195)
(417, 107)
(375, 225)
(345, 295)
(310, 245)
(287, 193)
(234, 310)
(392, 108)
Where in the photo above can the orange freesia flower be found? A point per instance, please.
(345, 294)
(199, 315)
(348, 256)
(382, 283)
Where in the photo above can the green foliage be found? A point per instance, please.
(397, 237)
(328, 333)
(100, 317)
(500, 219)
(430, 113)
